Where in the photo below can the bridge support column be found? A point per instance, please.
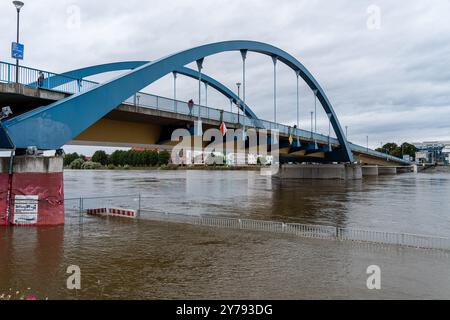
(404, 169)
(320, 171)
(387, 170)
(369, 170)
(33, 195)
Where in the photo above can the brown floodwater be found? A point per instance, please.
(141, 259)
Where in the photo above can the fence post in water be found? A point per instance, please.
(139, 208)
(80, 209)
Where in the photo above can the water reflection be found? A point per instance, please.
(29, 258)
(139, 259)
(414, 203)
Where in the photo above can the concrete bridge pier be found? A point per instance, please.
(387, 170)
(320, 171)
(404, 169)
(369, 170)
(32, 194)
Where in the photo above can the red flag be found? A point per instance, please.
(223, 128)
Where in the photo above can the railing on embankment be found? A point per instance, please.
(77, 207)
(305, 230)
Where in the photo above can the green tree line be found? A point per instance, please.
(398, 150)
(133, 158)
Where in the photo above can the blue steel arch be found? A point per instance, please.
(66, 77)
(38, 127)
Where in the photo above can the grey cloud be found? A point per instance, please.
(390, 84)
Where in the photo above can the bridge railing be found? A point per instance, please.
(51, 81)
(147, 100)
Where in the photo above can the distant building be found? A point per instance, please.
(433, 152)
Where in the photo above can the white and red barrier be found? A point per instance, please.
(115, 212)
(97, 212)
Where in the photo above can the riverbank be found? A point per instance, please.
(436, 169)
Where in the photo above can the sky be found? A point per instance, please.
(384, 65)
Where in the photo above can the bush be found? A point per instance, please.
(111, 166)
(76, 164)
(90, 165)
(69, 157)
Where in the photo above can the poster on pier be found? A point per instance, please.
(25, 209)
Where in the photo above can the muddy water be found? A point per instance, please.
(152, 260)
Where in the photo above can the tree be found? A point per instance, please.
(101, 157)
(164, 157)
(69, 157)
(409, 149)
(398, 151)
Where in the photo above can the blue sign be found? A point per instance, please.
(17, 50)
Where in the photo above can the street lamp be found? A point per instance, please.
(238, 84)
(18, 5)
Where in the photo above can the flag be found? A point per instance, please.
(223, 128)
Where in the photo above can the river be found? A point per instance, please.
(140, 259)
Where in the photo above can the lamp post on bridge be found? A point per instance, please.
(275, 59)
(199, 121)
(315, 110)
(175, 91)
(206, 94)
(329, 129)
(238, 103)
(244, 57)
(367, 143)
(346, 135)
(297, 73)
(18, 5)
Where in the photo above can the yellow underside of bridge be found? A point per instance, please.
(365, 159)
(118, 131)
(122, 133)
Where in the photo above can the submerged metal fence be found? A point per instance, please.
(304, 230)
(76, 208)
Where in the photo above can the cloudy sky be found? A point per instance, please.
(384, 65)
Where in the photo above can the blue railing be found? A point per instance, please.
(65, 84)
(49, 80)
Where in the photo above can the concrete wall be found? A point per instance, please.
(387, 170)
(369, 170)
(24, 164)
(320, 171)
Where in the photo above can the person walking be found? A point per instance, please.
(40, 80)
(191, 106)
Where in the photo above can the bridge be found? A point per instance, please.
(51, 110)
(107, 108)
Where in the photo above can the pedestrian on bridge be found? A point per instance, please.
(40, 80)
(190, 105)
